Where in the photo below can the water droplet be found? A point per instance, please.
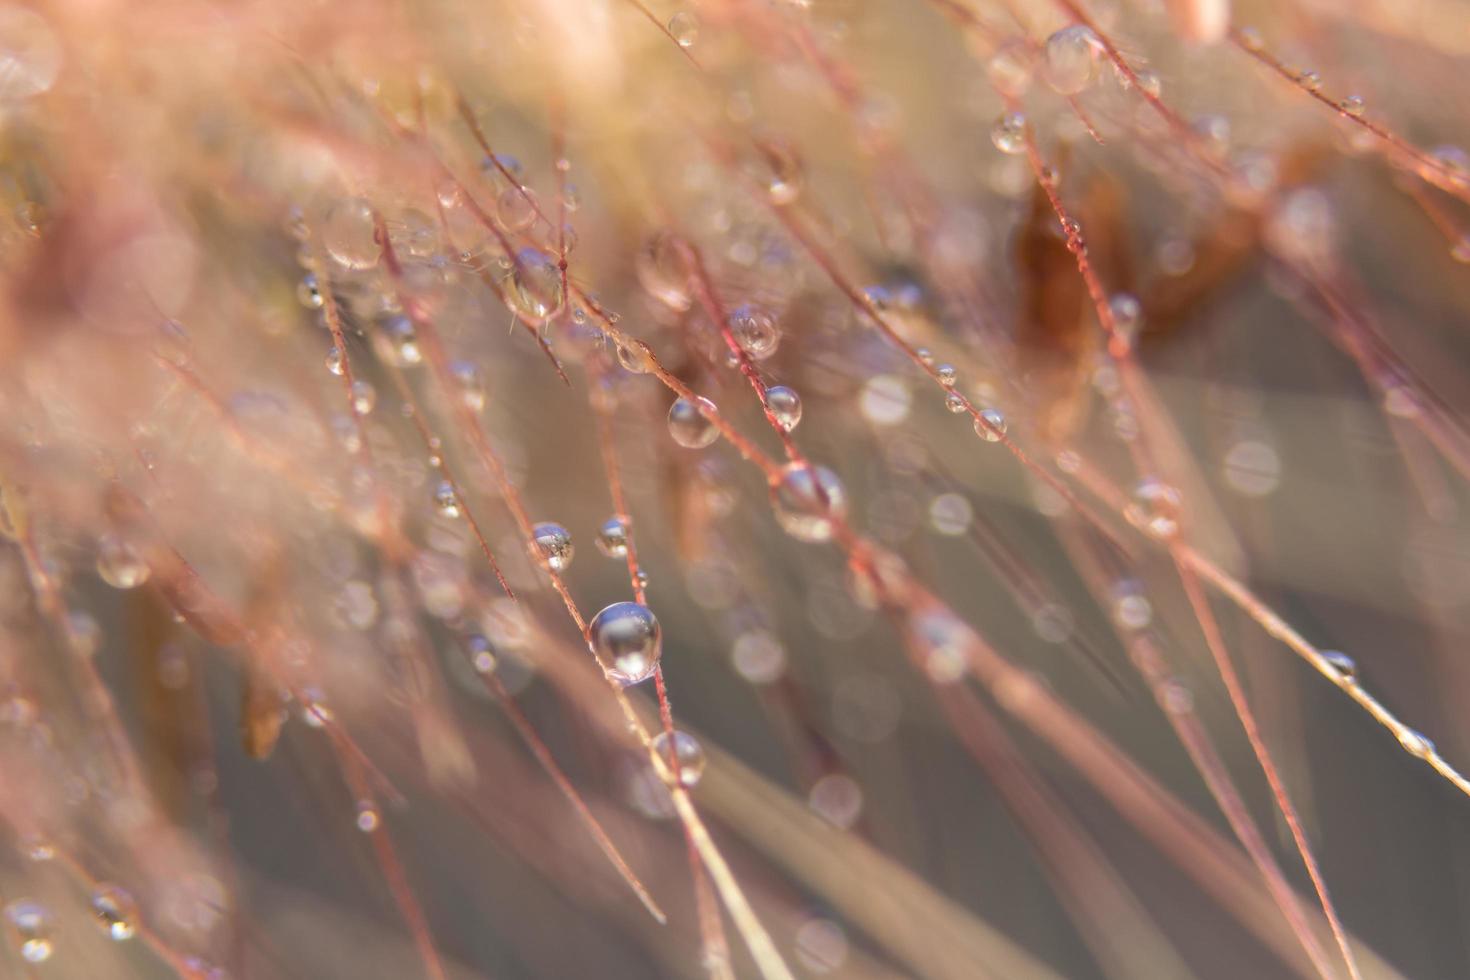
(364, 397)
(481, 653)
(991, 424)
(336, 360)
(116, 911)
(947, 375)
(1069, 59)
(634, 357)
(755, 330)
(687, 750)
(1149, 81)
(1127, 314)
(553, 545)
(942, 642)
(535, 285)
(781, 172)
(349, 235)
(690, 422)
(1310, 80)
(469, 384)
(119, 565)
(808, 500)
(955, 402)
(1155, 508)
(400, 342)
(1253, 468)
(516, 208)
(785, 406)
(684, 27)
(1342, 665)
(309, 292)
(836, 798)
(627, 639)
(446, 501)
(612, 538)
(664, 272)
(1416, 744)
(368, 818)
(1353, 105)
(1009, 133)
(1131, 608)
(31, 925)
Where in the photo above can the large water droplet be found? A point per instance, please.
(808, 501)
(627, 640)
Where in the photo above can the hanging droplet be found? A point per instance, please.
(808, 500)
(469, 384)
(30, 924)
(690, 422)
(1155, 508)
(116, 911)
(349, 234)
(991, 425)
(309, 292)
(481, 653)
(684, 28)
(688, 753)
(364, 397)
(1070, 54)
(755, 330)
(535, 285)
(368, 817)
(947, 375)
(516, 208)
(1127, 314)
(627, 640)
(446, 501)
(1311, 81)
(781, 172)
(1009, 133)
(1342, 665)
(664, 272)
(119, 565)
(553, 545)
(400, 342)
(785, 406)
(1353, 105)
(612, 538)
(336, 360)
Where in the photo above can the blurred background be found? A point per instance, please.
(346, 348)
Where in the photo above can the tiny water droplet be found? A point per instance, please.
(684, 27)
(612, 538)
(1009, 133)
(1069, 59)
(30, 924)
(446, 501)
(553, 545)
(687, 750)
(116, 911)
(119, 565)
(785, 406)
